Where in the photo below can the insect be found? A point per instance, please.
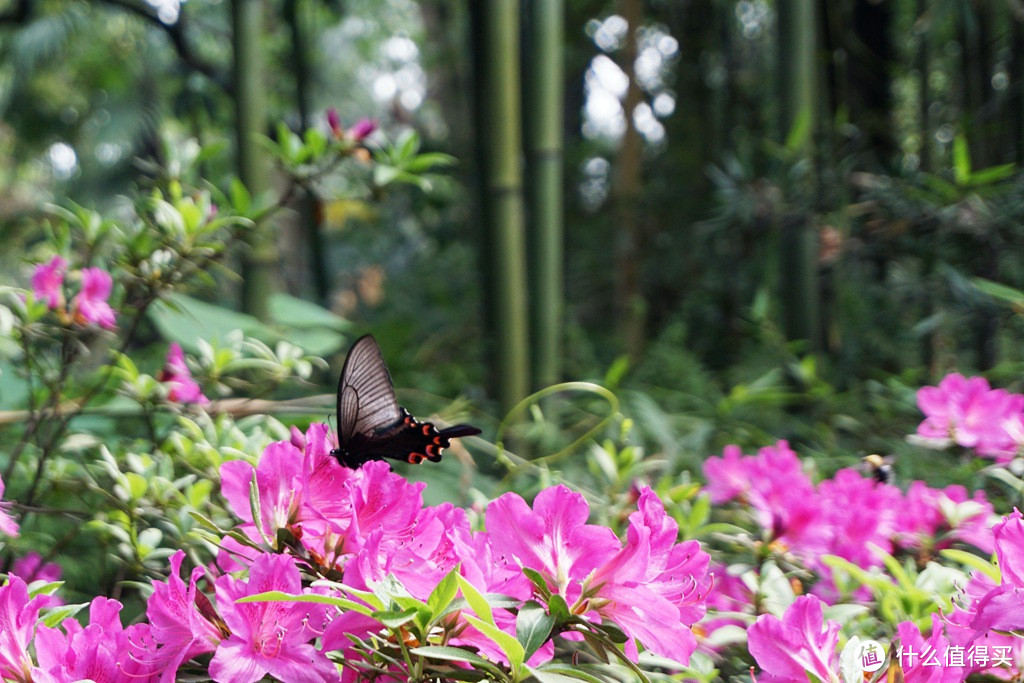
(880, 467)
(371, 424)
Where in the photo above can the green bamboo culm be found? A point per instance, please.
(306, 203)
(798, 253)
(247, 37)
(543, 125)
(501, 187)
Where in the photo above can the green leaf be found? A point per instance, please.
(972, 561)
(455, 654)
(428, 161)
(547, 676)
(443, 594)
(992, 175)
(563, 672)
(533, 627)
(799, 132)
(241, 200)
(384, 175)
(999, 291)
(961, 161)
(506, 641)
(290, 311)
(186, 320)
(476, 601)
(395, 619)
(278, 596)
(559, 609)
(55, 616)
(700, 512)
(538, 581)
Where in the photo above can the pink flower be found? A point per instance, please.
(924, 661)
(799, 643)
(176, 622)
(18, 617)
(334, 121)
(48, 282)
(772, 483)
(269, 637)
(102, 651)
(856, 512)
(363, 128)
(552, 538)
(90, 305)
(1002, 608)
(183, 389)
(653, 588)
(935, 518)
(970, 413)
(7, 524)
(277, 481)
(31, 568)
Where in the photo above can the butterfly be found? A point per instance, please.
(371, 424)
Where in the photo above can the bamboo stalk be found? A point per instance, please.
(798, 291)
(250, 123)
(500, 141)
(544, 129)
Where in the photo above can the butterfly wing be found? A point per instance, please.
(366, 395)
(371, 425)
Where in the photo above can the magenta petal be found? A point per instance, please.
(1001, 609)
(234, 663)
(1009, 539)
(798, 643)
(48, 282)
(235, 480)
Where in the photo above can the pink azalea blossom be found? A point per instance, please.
(935, 518)
(102, 651)
(772, 483)
(856, 512)
(269, 637)
(48, 282)
(90, 305)
(728, 595)
(653, 588)
(799, 643)
(923, 660)
(362, 129)
(334, 121)
(18, 617)
(277, 482)
(176, 622)
(1002, 608)
(182, 388)
(7, 525)
(31, 568)
(971, 414)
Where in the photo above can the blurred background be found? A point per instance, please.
(750, 219)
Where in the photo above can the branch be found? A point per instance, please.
(176, 32)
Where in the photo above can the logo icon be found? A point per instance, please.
(860, 657)
(872, 655)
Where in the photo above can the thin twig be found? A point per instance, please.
(176, 32)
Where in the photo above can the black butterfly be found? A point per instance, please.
(371, 424)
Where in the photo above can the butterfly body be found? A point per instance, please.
(371, 424)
